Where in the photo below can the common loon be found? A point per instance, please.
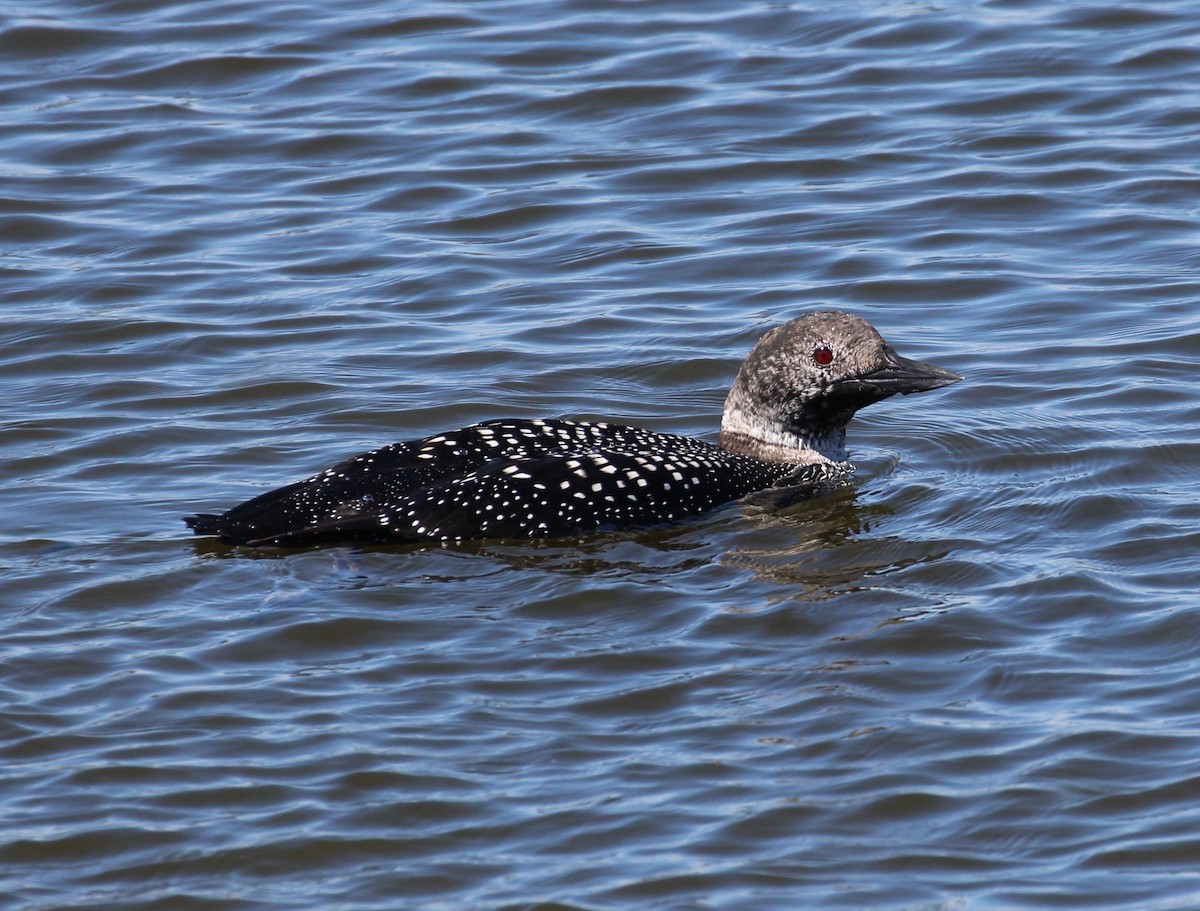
(784, 426)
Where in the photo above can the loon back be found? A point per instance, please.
(504, 479)
(784, 424)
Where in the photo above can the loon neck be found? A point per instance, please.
(769, 441)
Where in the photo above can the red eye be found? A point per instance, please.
(823, 356)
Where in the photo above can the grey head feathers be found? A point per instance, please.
(800, 385)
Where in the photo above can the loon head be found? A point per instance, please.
(804, 380)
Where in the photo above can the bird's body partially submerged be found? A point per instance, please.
(784, 425)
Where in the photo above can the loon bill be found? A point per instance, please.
(784, 425)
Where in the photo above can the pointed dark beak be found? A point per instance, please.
(900, 375)
(897, 376)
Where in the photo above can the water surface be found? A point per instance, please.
(242, 241)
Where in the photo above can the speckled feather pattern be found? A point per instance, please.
(504, 479)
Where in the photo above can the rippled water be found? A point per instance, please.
(243, 240)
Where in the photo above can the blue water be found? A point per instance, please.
(242, 241)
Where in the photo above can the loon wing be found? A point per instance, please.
(569, 493)
(499, 479)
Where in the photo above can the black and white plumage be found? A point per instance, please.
(784, 425)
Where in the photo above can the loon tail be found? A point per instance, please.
(285, 517)
(204, 524)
